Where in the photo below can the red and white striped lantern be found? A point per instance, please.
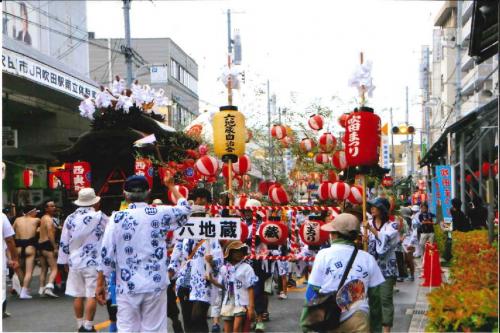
(264, 186)
(340, 191)
(339, 160)
(278, 195)
(327, 142)
(182, 190)
(28, 178)
(356, 195)
(241, 200)
(324, 190)
(311, 234)
(316, 122)
(207, 166)
(278, 132)
(286, 142)
(273, 233)
(322, 158)
(306, 145)
(242, 166)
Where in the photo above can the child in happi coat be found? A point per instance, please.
(237, 279)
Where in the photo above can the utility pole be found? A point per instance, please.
(128, 47)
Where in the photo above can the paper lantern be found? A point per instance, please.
(340, 191)
(311, 234)
(324, 190)
(342, 119)
(207, 165)
(203, 150)
(316, 122)
(486, 169)
(355, 195)
(243, 165)
(183, 190)
(468, 179)
(244, 231)
(387, 181)
(225, 171)
(332, 176)
(362, 138)
(229, 133)
(327, 142)
(81, 174)
(264, 186)
(273, 233)
(476, 173)
(241, 200)
(306, 145)
(54, 181)
(286, 142)
(278, 132)
(278, 195)
(339, 160)
(28, 178)
(322, 158)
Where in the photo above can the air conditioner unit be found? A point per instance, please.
(9, 137)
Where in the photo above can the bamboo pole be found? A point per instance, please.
(363, 177)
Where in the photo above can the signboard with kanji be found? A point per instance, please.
(210, 228)
(444, 190)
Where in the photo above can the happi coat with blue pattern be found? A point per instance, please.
(134, 245)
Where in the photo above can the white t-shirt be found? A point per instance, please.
(327, 271)
(7, 231)
(236, 281)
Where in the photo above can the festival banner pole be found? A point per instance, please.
(363, 177)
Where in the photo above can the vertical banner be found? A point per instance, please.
(443, 184)
(432, 197)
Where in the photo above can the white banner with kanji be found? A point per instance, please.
(210, 228)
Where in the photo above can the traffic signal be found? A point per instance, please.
(403, 130)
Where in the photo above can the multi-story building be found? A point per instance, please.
(45, 76)
(180, 81)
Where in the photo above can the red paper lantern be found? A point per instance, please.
(339, 160)
(327, 142)
(278, 195)
(324, 190)
(486, 169)
(244, 231)
(468, 179)
(356, 195)
(182, 190)
(28, 178)
(264, 186)
(82, 175)
(286, 142)
(306, 145)
(332, 176)
(342, 119)
(340, 191)
(278, 131)
(311, 234)
(242, 166)
(362, 138)
(207, 166)
(322, 158)
(316, 122)
(241, 201)
(225, 171)
(273, 233)
(387, 181)
(54, 181)
(476, 173)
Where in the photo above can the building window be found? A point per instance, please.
(183, 76)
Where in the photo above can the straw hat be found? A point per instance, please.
(87, 197)
(234, 245)
(344, 223)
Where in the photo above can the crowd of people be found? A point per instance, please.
(131, 262)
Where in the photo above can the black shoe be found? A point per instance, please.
(83, 329)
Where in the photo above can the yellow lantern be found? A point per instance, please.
(229, 133)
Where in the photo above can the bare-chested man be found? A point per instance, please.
(48, 247)
(25, 228)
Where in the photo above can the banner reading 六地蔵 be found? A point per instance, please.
(210, 228)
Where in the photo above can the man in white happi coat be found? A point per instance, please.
(134, 245)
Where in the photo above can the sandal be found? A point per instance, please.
(265, 316)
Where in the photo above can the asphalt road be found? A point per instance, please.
(56, 315)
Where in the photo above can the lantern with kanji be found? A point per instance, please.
(264, 186)
(324, 190)
(311, 234)
(278, 195)
(273, 233)
(340, 191)
(207, 166)
(242, 166)
(82, 175)
(278, 132)
(316, 122)
(362, 137)
(355, 195)
(230, 133)
(306, 145)
(28, 178)
(183, 190)
(339, 160)
(387, 181)
(327, 142)
(322, 158)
